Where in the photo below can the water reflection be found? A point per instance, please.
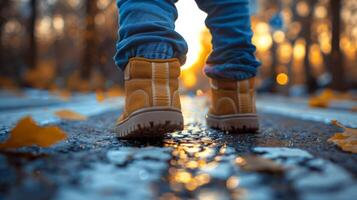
(189, 156)
(196, 153)
(199, 158)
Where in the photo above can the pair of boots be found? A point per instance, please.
(153, 108)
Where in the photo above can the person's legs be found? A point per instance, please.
(233, 52)
(150, 53)
(231, 66)
(146, 29)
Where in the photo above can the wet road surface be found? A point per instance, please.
(197, 163)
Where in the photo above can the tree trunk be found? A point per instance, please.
(3, 7)
(89, 55)
(310, 80)
(274, 65)
(336, 63)
(32, 51)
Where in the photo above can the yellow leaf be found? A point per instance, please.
(258, 164)
(8, 83)
(28, 133)
(318, 102)
(114, 91)
(64, 95)
(347, 140)
(100, 95)
(338, 136)
(322, 100)
(70, 115)
(41, 76)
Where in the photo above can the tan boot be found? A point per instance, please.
(233, 106)
(152, 101)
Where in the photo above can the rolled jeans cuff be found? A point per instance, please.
(236, 72)
(154, 50)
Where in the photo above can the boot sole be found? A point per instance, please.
(150, 123)
(236, 123)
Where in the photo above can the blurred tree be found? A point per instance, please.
(89, 55)
(269, 84)
(336, 64)
(306, 22)
(3, 17)
(275, 24)
(32, 52)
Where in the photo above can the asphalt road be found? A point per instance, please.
(197, 163)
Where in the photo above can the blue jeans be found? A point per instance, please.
(147, 30)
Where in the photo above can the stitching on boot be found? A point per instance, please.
(249, 97)
(238, 97)
(245, 97)
(153, 69)
(168, 82)
(213, 86)
(160, 84)
(176, 99)
(127, 71)
(254, 109)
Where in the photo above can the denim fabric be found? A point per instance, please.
(147, 30)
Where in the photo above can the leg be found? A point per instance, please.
(150, 53)
(147, 30)
(231, 66)
(233, 53)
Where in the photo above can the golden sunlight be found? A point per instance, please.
(262, 38)
(188, 77)
(190, 25)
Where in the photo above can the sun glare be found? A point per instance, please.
(190, 24)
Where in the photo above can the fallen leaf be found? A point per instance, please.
(28, 133)
(64, 95)
(258, 164)
(347, 140)
(7, 83)
(85, 84)
(322, 100)
(41, 76)
(70, 115)
(100, 95)
(325, 98)
(114, 91)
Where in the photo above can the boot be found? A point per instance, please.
(152, 101)
(233, 106)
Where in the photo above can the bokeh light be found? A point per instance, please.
(282, 79)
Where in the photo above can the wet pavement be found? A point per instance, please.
(197, 163)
